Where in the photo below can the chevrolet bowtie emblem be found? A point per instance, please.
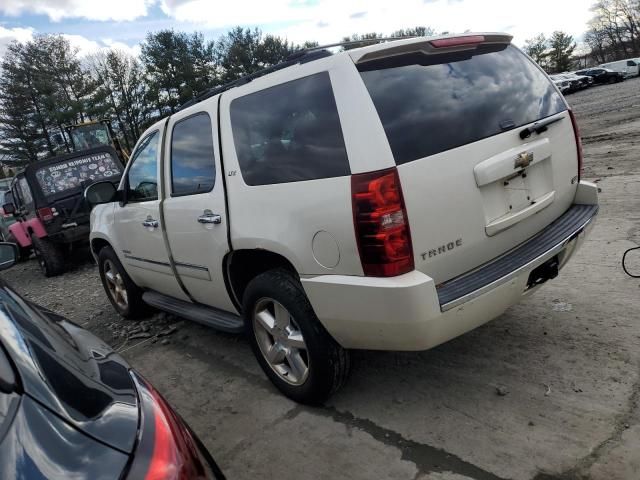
(523, 160)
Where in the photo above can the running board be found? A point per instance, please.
(208, 316)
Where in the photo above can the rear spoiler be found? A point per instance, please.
(445, 44)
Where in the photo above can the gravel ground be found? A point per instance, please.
(549, 390)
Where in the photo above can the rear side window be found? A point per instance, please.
(192, 159)
(25, 191)
(432, 103)
(142, 178)
(289, 133)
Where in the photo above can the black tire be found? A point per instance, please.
(328, 363)
(49, 255)
(135, 306)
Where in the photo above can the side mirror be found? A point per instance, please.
(8, 255)
(100, 192)
(9, 208)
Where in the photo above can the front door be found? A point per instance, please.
(139, 240)
(194, 206)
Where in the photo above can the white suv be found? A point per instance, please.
(389, 197)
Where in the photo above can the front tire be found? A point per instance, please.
(294, 350)
(124, 295)
(49, 256)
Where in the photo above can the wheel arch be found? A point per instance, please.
(241, 266)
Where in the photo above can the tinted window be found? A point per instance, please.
(77, 172)
(631, 63)
(143, 175)
(432, 103)
(289, 132)
(192, 160)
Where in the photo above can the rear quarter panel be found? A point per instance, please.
(284, 218)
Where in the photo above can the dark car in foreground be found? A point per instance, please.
(70, 407)
(602, 75)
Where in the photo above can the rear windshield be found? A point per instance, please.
(432, 103)
(60, 177)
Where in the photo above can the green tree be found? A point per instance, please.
(536, 48)
(244, 51)
(414, 32)
(177, 66)
(561, 47)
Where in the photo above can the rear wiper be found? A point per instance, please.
(538, 127)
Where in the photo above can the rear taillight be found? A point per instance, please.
(166, 448)
(457, 41)
(381, 224)
(576, 132)
(45, 214)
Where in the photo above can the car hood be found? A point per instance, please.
(70, 371)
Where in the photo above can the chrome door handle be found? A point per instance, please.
(210, 218)
(150, 223)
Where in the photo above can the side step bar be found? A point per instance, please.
(208, 316)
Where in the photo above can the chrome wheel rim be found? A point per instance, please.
(115, 285)
(281, 341)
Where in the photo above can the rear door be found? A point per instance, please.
(194, 208)
(138, 227)
(453, 116)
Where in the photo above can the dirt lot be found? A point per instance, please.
(566, 361)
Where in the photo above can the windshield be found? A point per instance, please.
(90, 136)
(60, 177)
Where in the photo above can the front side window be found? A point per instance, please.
(289, 133)
(142, 179)
(432, 103)
(193, 167)
(631, 63)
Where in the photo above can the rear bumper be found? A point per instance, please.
(409, 312)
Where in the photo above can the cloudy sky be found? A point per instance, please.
(95, 24)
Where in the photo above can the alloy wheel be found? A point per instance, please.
(281, 341)
(115, 285)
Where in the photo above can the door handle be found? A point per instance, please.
(150, 223)
(210, 218)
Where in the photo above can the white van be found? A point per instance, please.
(629, 67)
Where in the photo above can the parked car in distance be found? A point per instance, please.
(70, 407)
(629, 67)
(49, 206)
(368, 199)
(585, 80)
(602, 75)
(563, 84)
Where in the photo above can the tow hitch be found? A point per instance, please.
(547, 271)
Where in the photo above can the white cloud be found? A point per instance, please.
(329, 20)
(123, 47)
(7, 35)
(56, 10)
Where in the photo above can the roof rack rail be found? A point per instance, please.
(352, 42)
(298, 57)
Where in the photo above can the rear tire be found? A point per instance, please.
(49, 256)
(124, 295)
(293, 348)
